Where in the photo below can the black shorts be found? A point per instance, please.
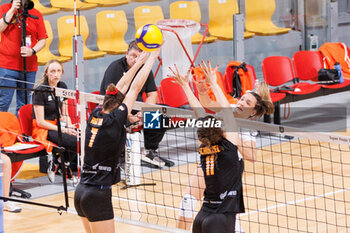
(93, 202)
(207, 222)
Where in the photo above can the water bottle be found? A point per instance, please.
(340, 73)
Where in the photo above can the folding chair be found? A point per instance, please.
(258, 17)
(45, 54)
(147, 15)
(65, 27)
(221, 19)
(10, 133)
(189, 10)
(172, 93)
(111, 28)
(68, 5)
(308, 63)
(43, 9)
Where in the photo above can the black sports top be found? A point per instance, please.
(222, 170)
(104, 142)
(47, 100)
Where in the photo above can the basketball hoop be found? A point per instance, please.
(177, 48)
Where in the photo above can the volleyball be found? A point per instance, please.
(149, 37)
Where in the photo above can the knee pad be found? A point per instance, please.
(188, 203)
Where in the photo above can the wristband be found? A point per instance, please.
(4, 18)
(34, 52)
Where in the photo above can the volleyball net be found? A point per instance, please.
(298, 182)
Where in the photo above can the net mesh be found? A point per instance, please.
(297, 183)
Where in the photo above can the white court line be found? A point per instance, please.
(294, 202)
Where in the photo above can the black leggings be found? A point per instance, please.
(206, 222)
(153, 137)
(69, 142)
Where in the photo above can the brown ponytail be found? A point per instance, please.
(112, 100)
(262, 106)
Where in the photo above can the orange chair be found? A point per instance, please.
(278, 71)
(68, 5)
(147, 15)
(258, 18)
(172, 93)
(111, 28)
(308, 63)
(65, 27)
(45, 54)
(43, 9)
(108, 3)
(189, 10)
(221, 19)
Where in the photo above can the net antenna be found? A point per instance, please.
(78, 71)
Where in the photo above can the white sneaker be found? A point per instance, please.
(151, 156)
(11, 207)
(51, 171)
(73, 180)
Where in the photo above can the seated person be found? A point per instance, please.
(45, 128)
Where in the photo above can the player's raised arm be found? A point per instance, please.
(140, 80)
(183, 81)
(124, 82)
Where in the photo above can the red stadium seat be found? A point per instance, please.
(278, 71)
(172, 93)
(308, 63)
(25, 117)
(92, 106)
(159, 99)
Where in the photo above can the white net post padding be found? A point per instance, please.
(172, 51)
(133, 158)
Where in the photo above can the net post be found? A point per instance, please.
(238, 37)
(133, 159)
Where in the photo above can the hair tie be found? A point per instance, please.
(112, 92)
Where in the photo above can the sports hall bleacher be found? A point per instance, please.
(271, 28)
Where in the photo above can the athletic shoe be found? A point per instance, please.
(73, 180)
(11, 207)
(70, 177)
(167, 162)
(151, 157)
(51, 171)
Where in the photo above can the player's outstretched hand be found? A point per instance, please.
(143, 57)
(180, 79)
(210, 74)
